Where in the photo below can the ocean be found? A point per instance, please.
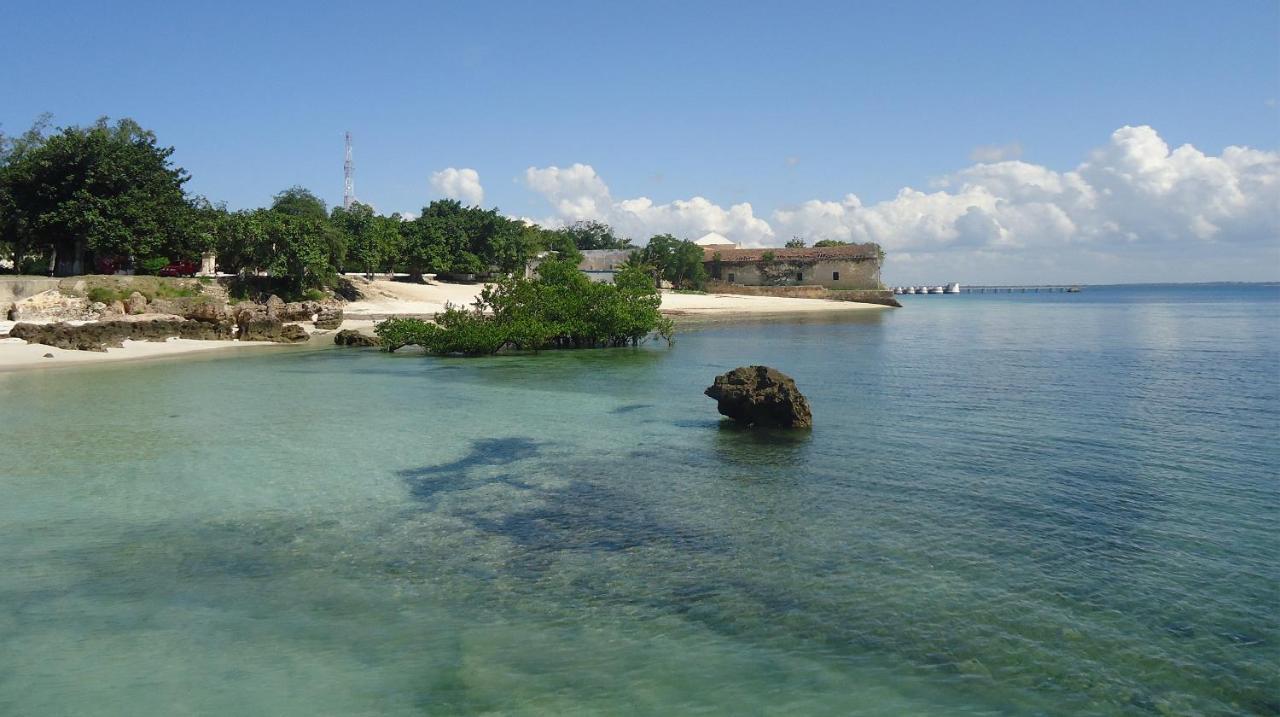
(1009, 504)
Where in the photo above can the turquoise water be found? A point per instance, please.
(1052, 504)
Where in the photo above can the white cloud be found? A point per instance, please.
(460, 184)
(576, 193)
(996, 152)
(1133, 197)
(1133, 210)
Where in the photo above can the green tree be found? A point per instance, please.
(795, 243)
(371, 241)
(677, 261)
(830, 242)
(299, 201)
(294, 248)
(591, 234)
(109, 189)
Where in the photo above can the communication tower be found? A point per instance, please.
(348, 178)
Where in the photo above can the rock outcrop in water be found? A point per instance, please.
(351, 337)
(761, 396)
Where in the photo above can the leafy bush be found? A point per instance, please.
(396, 333)
(313, 295)
(560, 308)
(152, 265)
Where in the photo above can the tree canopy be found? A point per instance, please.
(678, 261)
(106, 188)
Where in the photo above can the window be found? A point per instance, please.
(731, 277)
(799, 276)
(835, 276)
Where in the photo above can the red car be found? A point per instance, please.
(180, 268)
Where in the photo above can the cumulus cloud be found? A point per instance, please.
(460, 184)
(1134, 208)
(577, 193)
(1133, 196)
(996, 152)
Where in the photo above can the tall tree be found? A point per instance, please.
(108, 189)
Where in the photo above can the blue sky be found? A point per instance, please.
(766, 103)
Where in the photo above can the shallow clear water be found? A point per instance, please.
(1041, 504)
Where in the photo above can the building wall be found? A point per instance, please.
(855, 274)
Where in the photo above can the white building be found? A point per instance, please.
(715, 241)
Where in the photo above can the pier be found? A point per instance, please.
(1028, 289)
(955, 288)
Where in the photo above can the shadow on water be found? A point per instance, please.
(755, 446)
(425, 481)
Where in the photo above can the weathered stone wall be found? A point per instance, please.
(829, 273)
(811, 291)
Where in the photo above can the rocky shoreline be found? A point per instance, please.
(75, 323)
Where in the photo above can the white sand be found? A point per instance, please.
(394, 297)
(397, 297)
(16, 354)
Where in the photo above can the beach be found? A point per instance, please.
(382, 298)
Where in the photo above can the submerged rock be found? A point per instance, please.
(761, 396)
(351, 337)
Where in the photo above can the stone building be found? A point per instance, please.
(601, 264)
(852, 266)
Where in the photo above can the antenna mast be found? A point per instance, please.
(348, 178)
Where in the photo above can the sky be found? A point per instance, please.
(980, 142)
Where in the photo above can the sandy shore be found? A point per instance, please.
(16, 354)
(383, 298)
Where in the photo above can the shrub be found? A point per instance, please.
(152, 265)
(313, 295)
(560, 308)
(396, 333)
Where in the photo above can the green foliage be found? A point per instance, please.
(674, 260)
(795, 243)
(109, 189)
(453, 239)
(830, 242)
(559, 308)
(396, 333)
(299, 202)
(768, 257)
(151, 265)
(593, 235)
